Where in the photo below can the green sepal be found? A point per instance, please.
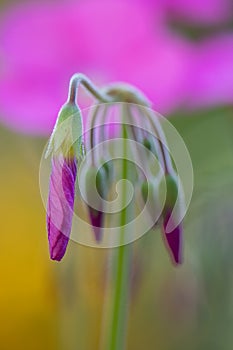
(108, 166)
(146, 143)
(149, 143)
(148, 191)
(67, 133)
(102, 182)
(172, 191)
(95, 183)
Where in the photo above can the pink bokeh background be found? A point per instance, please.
(43, 44)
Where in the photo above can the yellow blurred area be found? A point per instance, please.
(43, 304)
(26, 300)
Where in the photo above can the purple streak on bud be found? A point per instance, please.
(60, 204)
(173, 239)
(96, 218)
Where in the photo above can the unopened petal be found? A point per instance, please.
(96, 218)
(60, 205)
(173, 240)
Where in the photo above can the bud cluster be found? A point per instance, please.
(139, 135)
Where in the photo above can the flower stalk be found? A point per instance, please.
(116, 327)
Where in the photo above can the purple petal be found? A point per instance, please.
(60, 205)
(173, 240)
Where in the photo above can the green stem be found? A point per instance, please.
(120, 274)
(78, 79)
(112, 93)
(117, 332)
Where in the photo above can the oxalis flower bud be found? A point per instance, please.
(96, 190)
(174, 238)
(172, 191)
(150, 197)
(66, 147)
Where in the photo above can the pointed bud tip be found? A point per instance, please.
(96, 219)
(97, 233)
(58, 251)
(55, 257)
(173, 241)
(60, 205)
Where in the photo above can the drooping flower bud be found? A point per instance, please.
(174, 237)
(96, 190)
(172, 191)
(66, 147)
(150, 197)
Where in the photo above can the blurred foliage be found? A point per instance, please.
(199, 32)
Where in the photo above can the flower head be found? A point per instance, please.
(98, 174)
(96, 180)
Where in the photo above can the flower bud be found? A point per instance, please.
(173, 238)
(96, 191)
(172, 191)
(66, 147)
(102, 180)
(150, 198)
